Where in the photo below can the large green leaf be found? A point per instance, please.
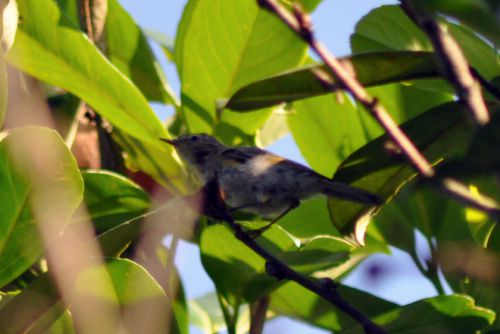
(374, 68)
(128, 49)
(222, 45)
(388, 28)
(294, 301)
(479, 15)
(112, 199)
(454, 314)
(239, 273)
(41, 187)
(49, 47)
(439, 133)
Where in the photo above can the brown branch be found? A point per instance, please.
(453, 63)
(300, 23)
(212, 205)
(258, 315)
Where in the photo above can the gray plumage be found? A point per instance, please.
(257, 181)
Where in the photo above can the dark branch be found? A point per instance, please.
(212, 205)
(453, 63)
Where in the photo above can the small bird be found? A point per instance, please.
(256, 181)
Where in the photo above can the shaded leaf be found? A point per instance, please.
(371, 69)
(35, 308)
(454, 314)
(294, 301)
(112, 199)
(41, 187)
(388, 28)
(239, 273)
(439, 133)
(128, 49)
(49, 47)
(480, 15)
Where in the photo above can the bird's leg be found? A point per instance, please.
(256, 233)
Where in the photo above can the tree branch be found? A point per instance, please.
(453, 63)
(301, 24)
(212, 205)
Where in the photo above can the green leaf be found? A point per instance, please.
(112, 199)
(454, 314)
(162, 164)
(239, 273)
(206, 314)
(164, 41)
(34, 309)
(372, 69)
(479, 15)
(337, 127)
(3, 88)
(439, 134)
(172, 217)
(139, 296)
(327, 129)
(63, 325)
(222, 45)
(388, 28)
(129, 50)
(49, 47)
(41, 187)
(294, 301)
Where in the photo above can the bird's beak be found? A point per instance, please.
(169, 141)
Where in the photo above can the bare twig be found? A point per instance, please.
(300, 23)
(454, 65)
(213, 206)
(258, 315)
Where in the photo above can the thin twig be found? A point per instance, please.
(453, 63)
(258, 315)
(213, 206)
(300, 23)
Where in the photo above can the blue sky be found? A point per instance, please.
(392, 277)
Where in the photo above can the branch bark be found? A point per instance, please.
(453, 63)
(212, 205)
(300, 23)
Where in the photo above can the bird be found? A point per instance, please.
(256, 181)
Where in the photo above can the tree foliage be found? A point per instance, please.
(88, 191)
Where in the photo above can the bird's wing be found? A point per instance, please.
(232, 157)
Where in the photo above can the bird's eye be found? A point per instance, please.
(194, 138)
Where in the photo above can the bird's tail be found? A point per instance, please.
(349, 193)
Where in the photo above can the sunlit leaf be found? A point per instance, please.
(128, 49)
(49, 47)
(41, 187)
(220, 47)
